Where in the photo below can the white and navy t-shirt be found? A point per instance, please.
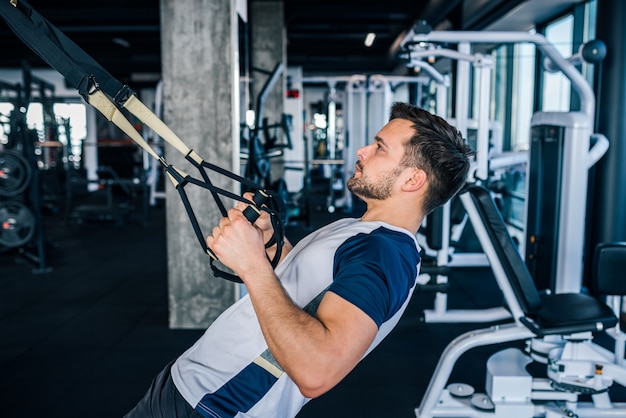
(229, 372)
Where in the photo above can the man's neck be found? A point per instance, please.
(394, 213)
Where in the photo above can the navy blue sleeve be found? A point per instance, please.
(375, 272)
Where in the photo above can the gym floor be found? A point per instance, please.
(86, 338)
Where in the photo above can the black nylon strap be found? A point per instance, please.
(268, 201)
(56, 49)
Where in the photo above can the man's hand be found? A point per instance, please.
(238, 244)
(263, 222)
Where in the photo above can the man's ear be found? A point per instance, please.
(416, 181)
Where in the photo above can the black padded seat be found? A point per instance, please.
(565, 313)
(568, 313)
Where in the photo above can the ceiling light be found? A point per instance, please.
(369, 39)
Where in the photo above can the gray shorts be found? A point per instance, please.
(163, 400)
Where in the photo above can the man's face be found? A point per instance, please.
(378, 167)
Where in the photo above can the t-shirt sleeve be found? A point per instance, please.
(375, 272)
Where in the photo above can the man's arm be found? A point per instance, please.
(315, 351)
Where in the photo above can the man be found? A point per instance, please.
(332, 298)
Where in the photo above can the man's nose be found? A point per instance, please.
(363, 152)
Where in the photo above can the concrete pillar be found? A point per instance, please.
(200, 95)
(268, 48)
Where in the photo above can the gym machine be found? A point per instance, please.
(326, 151)
(546, 247)
(17, 221)
(260, 142)
(118, 190)
(21, 220)
(582, 149)
(121, 188)
(555, 334)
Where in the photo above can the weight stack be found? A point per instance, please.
(556, 199)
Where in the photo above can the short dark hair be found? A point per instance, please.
(437, 148)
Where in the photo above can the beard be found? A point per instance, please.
(364, 187)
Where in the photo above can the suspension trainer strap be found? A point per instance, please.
(116, 100)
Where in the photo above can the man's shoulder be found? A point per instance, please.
(379, 243)
(384, 235)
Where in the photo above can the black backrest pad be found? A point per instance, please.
(508, 254)
(609, 268)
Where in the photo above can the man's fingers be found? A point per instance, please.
(243, 205)
(211, 238)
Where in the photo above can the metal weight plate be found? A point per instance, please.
(14, 173)
(460, 390)
(482, 402)
(17, 224)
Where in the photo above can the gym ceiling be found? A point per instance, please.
(323, 36)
